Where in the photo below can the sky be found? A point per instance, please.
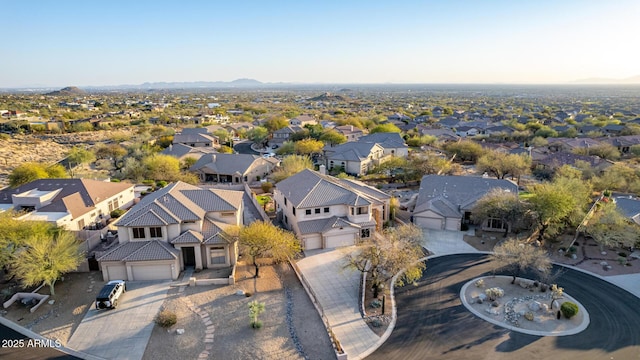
(112, 42)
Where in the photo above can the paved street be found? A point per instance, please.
(122, 333)
(337, 291)
(433, 323)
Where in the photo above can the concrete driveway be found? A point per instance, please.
(122, 333)
(444, 242)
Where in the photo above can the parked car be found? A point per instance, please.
(110, 294)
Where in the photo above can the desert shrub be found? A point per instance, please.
(161, 183)
(116, 213)
(266, 187)
(480, 283)
(622, 254)
(114, 180)
(166, 318)
(569, 309)
(494, 293)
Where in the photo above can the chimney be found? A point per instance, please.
(322, 170)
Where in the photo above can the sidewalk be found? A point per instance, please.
(337, 290)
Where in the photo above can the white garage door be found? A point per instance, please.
(151, 272)
(340, 240)
(452, 224)
(313, 242)
(116, 272)
(428, 223)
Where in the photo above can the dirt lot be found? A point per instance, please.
(291, 327)
(73, 297)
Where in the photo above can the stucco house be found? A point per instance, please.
(74, 204)
(196, 137)
(445, 202)
(326, 212)
(182, 152)
(303, 120)
(356, 158)
(233, 168)
(279, 136)
(179, 225)
(391, 143)
(351, 132)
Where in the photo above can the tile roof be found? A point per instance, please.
(630, 207)
(188, 237)
(324, 225)
(153, 250)
(350, 151)
(309, 188)
(226, 164)
(121, 251)
(179, 202)
(451, 195)
(386, 140)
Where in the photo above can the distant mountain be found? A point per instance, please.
(328, 97)
(68, 91)
(239, 83)
(609, 81)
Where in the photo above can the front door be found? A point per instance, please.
(189, 256)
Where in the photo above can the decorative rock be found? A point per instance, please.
(240, 292)
(482, 297)
(555, 305)
(534, 306)
(545, 307)
(574, 256)
(180, 331)
(607, 268)
(603, 253)
(492, 311)
(495, 303)
(528, 315)
(51, 302)
(604, 263)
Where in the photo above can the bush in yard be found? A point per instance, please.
(166, 318)
(255, 308)
(494, 293)
(569, 309)
(116, 213)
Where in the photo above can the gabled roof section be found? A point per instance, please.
(153, 250)
(310, 189)
(123, 250)
(179, 202)
(351, 151)
(226, 164)
(454, 194)
(386, 140)
(213, 232)
(188, 237)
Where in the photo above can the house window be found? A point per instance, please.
(155, 232)
(285, 201)
(365, 233)
(81, 224)
(326, 210)
(307, 212)
(286, 220)
(317, 211)
(363, 210)
(495, 224)
(294, 211)
(227, 214)
(218, 255)
(353, 211)
(138, 233)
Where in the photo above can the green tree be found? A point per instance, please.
(552, 206)
(114, 152)
(31, 171)
(258, 135)
(308, 147)
(276, 123)
(386, 128)
(14, 234)
(46, 257)
(263, 239)
(287, 148)
(78, 156)
(222, 135)
(609, 227)
(465, 150)
(500, 165)
(333, 137)
(187, 162)
(291, 165)
(382, 257)
(517, 257)
(502, 205)
(225, 150)
(161, 167)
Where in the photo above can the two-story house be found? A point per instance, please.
(351, 132)
(177, 226)
(74, 204)
(326, 212)
(279, 136)
(355, 158)
(391, 143)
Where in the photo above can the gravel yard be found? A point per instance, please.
(216, 321)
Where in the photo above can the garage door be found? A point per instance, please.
(116, 272)
(428, 223)
(340, 240)
(452, 224)
(313, 242)
(151, 272)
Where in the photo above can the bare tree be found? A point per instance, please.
(517, 257)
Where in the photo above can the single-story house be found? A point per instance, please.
(445, 202)
(233, 168)
(392, 143)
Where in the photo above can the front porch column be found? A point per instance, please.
(198, 254)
